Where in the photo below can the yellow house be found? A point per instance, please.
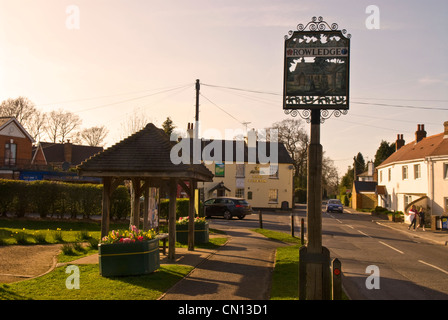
(263, 184)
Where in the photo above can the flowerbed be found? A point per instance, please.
(201, 230)
(128, 252)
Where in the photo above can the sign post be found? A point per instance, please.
(316, 86)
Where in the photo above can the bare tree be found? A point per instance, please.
(132, 124)
(37, 125)
(94, 136)
(295, 139)
(21, 108)
(60, 124)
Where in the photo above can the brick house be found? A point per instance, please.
(15, 148)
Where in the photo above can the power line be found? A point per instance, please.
(220, 108)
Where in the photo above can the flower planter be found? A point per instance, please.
(201, 233)
(128, 259)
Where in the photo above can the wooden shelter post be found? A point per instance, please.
(107, 183)
(172, 220)
(136, 185)
(146, 196)
(191, 215)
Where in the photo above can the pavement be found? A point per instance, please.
(439, 237)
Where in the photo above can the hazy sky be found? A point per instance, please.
(144, 56)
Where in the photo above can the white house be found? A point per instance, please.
(416, 172)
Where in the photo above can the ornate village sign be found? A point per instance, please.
(316, 85)
(316, 69)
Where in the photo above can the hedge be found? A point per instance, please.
(182, 207)
(59, 198)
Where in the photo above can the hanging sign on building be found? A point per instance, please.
(316, 67)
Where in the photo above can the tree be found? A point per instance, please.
(384, 151)
(60, 124)
(133, 123)
(94, 136)
(168, 126)
(359, 164)
(37, 125)
(292, 134)
(21, 108)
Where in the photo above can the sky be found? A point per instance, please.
(107, 60)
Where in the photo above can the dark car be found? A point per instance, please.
(335, 205)
(227, 207)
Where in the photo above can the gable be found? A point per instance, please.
(10, 127)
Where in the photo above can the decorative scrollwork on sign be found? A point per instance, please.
(325, 114)
(305, 114)
(317, 24)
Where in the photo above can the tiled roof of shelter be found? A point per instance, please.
(146, 153)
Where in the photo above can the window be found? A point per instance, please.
(10, 153)
(381, 175)
(407, 200)
(417, 171)
(219, 170)
(240, 171)
(446, 204)
(249, 195)
(404, 171)
(445, 171)
(389, 174)
(273, 195)
(239, 193)
(273, 172)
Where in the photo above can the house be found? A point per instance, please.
(416, 173)
(52, 161)
(62, 155)
(264, 186)
(364, 189)
(15, 148)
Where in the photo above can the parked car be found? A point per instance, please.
(335, 205)
(227, 207)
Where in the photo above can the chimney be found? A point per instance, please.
(68, 152)
(420, 133)
(190, 130)
(400, 142)
(445, 125)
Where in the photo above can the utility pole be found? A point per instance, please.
(196, 127)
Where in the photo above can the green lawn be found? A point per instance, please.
(92, 286)
(95, 287)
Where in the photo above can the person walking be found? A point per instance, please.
(412, 217)
(421, 217)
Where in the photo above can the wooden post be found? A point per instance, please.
(314, 210)
(292, 225)
(260, 219)
(172, 220)
(107, 182)
(146, 196)
(337, 279)
(191, 215)
(302, 231)
(135, 219)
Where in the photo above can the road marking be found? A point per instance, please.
(431, 265)
(391, 247)
(364, 233)
(350, 226)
